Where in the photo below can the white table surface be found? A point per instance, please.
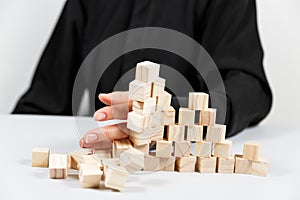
(19, 180)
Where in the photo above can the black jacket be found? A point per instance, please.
(227, 29)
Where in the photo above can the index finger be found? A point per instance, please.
(114, 98)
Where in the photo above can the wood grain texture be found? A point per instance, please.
(58, 166)
(203, 149)
(186, 164)
(40, 157)
(158, 87)
(223, 149)
(206, 165)
(115, 177)
(252, 151)
(198, 101)
(132, 160)
(175, 132)
(182, 148)
(208, 117)
(147, 71)
(225, 165)
(194, 133)
(163, 101)
(216, 133)
(139, 91)
(164, 149)
(186, 117)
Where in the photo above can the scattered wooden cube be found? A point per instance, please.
(203, 149)
(194, 133)
(58, 166)
(216, 133)
(242, 165)
(182, 148)
(120, 146)
(170, 116)
(252, 151)
(146, 107)
(223, 150)
(132, 160)
(206, 165)
(90, 175)
(208, 117)
(158, 87)
(115, 177)
(259, 168)
(175, 132)
(76, 158)
(89, 159)
(167, 164)
(186, 117)
(109, 162)
(147, 71)
(151, 163)
(186, 164)
(137, 122)
(139, 91)
(163, 101)
(40, 157)
(164, 149)
(142, 148)
(198, 101)
(102, 153)
(225, 165)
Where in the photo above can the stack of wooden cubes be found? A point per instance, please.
(151, 115)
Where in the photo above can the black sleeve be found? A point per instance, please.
(51, 89)
(231, 37)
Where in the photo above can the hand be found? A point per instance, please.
(117, 107)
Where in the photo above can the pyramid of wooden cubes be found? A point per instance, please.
(156, 142)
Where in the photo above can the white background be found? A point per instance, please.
(25, 27)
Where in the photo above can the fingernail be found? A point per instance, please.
(90, 138)
(100, 116)
(104, 95)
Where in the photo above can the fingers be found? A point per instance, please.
(101, 138)
(114, 98)
(119, 111)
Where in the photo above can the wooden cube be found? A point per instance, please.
(186, 117)
(223, 150)
(147, 71)
(102, 153)
(164, 149)
(182, 148)
(158, 87)
(137, 122)
(158, 119)
(208, 117)
(115, 177)
(203, 149)
(120, 146)
(167, 164)
(89, 159)
(175, 132)
(58, 166)
(132, 160)
(170, 116)
(242, 165)
(109, 162)
(206, 165)
(146, 107)
(225, 165)
(194, 133)
(163, 101)
(216, 133)
(198, 101)
(186, 164)
(90, 175)
(76, 158)
(139, 91)
(259, 168)
(144, 148)
(151, 163)
(40, 157)
(252, 151)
